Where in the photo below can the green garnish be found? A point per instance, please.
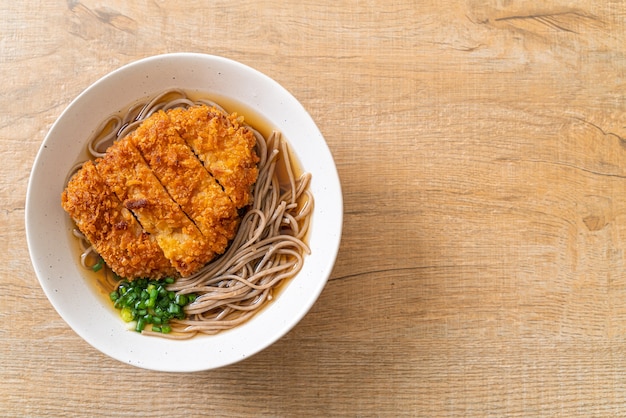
(149, 302)
(98, 266)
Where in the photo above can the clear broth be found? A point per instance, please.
(102, 281)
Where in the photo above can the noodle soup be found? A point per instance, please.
(269, 246)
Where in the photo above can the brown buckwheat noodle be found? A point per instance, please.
(267, 250)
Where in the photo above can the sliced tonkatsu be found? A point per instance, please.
(127, 174)
(196, 191)
(166, 199)
(225, 147)
(111, 228)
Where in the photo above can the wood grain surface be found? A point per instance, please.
(482, 152)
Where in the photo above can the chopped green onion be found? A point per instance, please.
(126, 314)
(149, 302)
(173, 308)
(98, 266)
(141, 324)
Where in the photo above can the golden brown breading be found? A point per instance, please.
(165, 199)
(225, 147)
(186, 180)
(112, 229)
(128, 175)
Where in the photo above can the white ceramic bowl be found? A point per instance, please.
(53, 253)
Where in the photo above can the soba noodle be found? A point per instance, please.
(267, 250)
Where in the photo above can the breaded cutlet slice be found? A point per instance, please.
(186, 180)
(225, 147)
(127, 174)
(111, 228)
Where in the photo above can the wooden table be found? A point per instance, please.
(482, 152)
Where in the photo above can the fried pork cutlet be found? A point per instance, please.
(165, 199)
(128, 175)
(196, 191)
(224, 146)
(111, 228)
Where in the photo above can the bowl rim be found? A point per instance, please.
(38, 223)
